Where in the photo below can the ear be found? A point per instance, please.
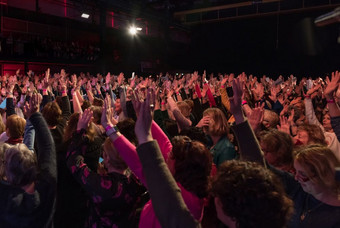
(224, 218)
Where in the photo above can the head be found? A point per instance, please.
(20, 165)
(184, 108)
(190, 163)
(15, 126)
(111, 156)
(315, 169)
(127, 128)
(98, 102)
(326, 122)
(52, 113)
(190, 103)
(240, 187)
(3, 148)
(310, 134)
(277, 147)
(194, 133)
(72, 127)
(218, 125)
(270, 119)
(118, 108)
(97, 114)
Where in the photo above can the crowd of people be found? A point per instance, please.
(183, 150)
(39, 47)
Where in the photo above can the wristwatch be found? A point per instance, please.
(114, 129)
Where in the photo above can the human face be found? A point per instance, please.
(118, 108)
(303, 137)
(306, 183)
(326, 122)
(270, 158)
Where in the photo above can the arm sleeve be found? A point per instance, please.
(65, 108)
(249, 146)
(165, 194)
(335, 121)
(29, 135)
(310, 114)
(10, 109)
(46, 149)
(45, 100)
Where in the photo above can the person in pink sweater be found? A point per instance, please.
(189, 161)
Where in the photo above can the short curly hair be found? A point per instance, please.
(193, 162)
(251, 195)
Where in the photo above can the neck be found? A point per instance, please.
(30, 188)
(215, 139)
(328, 197)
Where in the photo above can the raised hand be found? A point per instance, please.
(285, 126)
(107, 114)
(33, 105)
(204, 122)
(256, 116)
(236, 101)
(332, 85)
(85, 119)
(143, 123)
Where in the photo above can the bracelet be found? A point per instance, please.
(163, 103)
(330, 101)
(63, 91)
(244, 102)
(112, 130)
(307, 96)
(44, 90)
(108, 127)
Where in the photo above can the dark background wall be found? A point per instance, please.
(274, 45)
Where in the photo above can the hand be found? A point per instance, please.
(285, 127)
(332, 85)
(143, 123)
(204, 122)
(33, 106)
(85, 119)
(120, 78)
(256, 116)
(107, 114)
(236, 101)
(224, 80)
(108, 78)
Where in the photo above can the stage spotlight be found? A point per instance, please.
(134, 30)
(85, 15)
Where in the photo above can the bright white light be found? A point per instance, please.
(85, 15)
(133, 30)
(139, 29)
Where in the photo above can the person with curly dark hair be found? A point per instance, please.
(189, 161)
(247, 195)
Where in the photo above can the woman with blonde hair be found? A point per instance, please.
(314, 188)
(215, 125)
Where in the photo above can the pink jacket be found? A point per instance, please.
(129, 154)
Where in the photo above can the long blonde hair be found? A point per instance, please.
(319, 163)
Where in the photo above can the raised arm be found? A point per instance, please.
(46, 148)
(249, 146)
(166, 197)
